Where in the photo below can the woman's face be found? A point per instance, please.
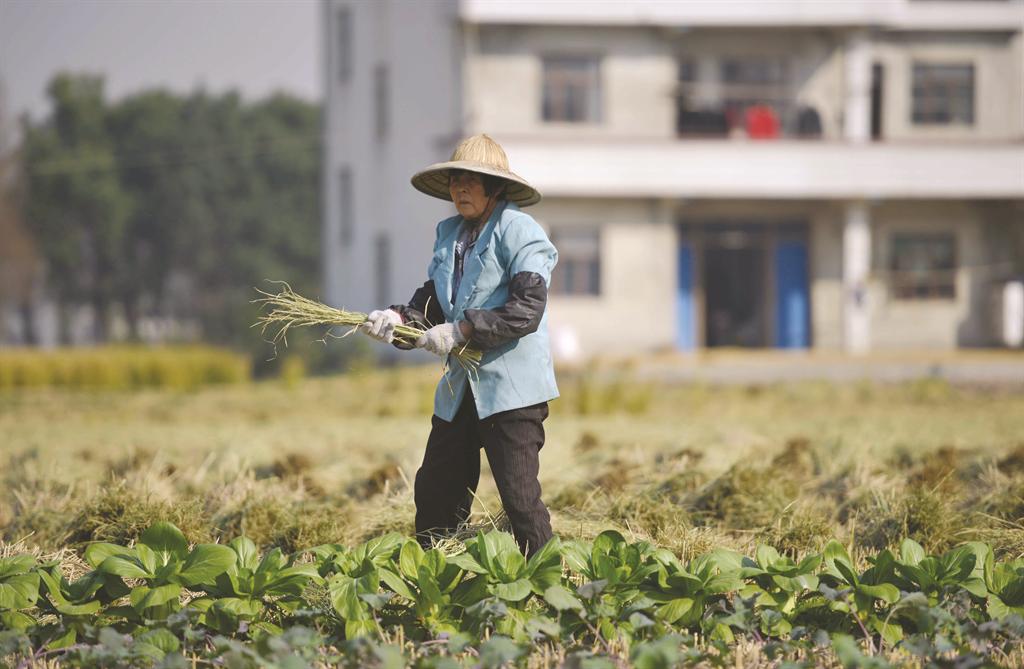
(467, 191)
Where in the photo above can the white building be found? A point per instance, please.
(759, 173)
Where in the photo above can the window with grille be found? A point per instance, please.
(345, 206)
(572, 89)
(344, 44)
(578, 271)
(381, 98)
(382, 249)
(943, 93)
(755, 83)
(923, 266)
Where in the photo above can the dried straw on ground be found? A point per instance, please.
(289, 309)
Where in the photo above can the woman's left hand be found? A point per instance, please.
(441, 339)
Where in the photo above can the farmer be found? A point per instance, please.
(486, 288)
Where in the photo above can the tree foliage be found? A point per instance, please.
(172, 206)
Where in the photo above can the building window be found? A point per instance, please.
(923, 266)
(380, 96)
(578, 270)
(345, 207)
(382, 253)
(744, 95)
(572, 89)
(756, 94)
(943, 93)
(344, 44)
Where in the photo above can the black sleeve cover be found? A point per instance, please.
(519, 316)
(423, 311)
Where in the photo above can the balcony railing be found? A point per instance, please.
(752, 119)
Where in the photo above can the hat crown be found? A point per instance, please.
(481, 149)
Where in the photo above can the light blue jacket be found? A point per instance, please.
(520, 372)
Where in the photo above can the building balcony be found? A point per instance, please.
(778, 169)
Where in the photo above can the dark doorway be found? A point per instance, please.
(876, 101)
(734, 289)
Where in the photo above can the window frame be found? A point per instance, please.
(346, 231)
(596, 96)
(929, 117)
(569, 265)
(904, 287)
(381, 100)
(382, 263)
(343, 33)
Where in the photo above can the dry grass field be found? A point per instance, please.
(687, 466)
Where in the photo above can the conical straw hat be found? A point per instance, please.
(480, 154)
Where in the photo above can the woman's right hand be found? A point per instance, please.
(380, 324)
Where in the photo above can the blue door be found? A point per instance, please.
(686, 338)
(792, 312)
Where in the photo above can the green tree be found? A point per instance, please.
(76, 209)
(208, 190)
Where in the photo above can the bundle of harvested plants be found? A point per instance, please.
(289, 309)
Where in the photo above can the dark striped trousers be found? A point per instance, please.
(451, 471)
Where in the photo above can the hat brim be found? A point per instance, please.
(434, 181)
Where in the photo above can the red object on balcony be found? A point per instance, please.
(762, 123)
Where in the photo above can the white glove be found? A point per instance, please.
(380, 324)
(441, 339)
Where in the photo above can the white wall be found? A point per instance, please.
(998, 84)
(637, 74)
(935, 323)
(634, 311)
(419, 43)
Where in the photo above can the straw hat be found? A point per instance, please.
(480, 154)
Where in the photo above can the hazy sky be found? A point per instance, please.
(257, 46)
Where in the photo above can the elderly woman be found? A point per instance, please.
(487, 287)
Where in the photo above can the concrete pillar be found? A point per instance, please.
(857, 105)
(856, 265)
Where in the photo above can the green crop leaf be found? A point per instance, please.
(510, 565)
(96, 553)
(429, 588)
(577, 557)
(19, 591)
(151, 560)
(514, 591)
(205, 563)
(911, 552)
(162, 640)
(15, 620)
(397, 583)
(86, 609)
(498, 651)
(592, 589)
(16, 565)
(467, 562)
(674, 610)
(433, 562)
(561, 599)
(225, 614)
(409, 559)
(344, 598)
(766, 556)
(886, 592)
(125, 566)
(290, 581)
(165, 538)
(245, 549)
(273, 561)
(143, 596)
(357, 628)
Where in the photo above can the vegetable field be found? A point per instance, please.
(267, 525)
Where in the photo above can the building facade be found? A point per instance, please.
(783, 173)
